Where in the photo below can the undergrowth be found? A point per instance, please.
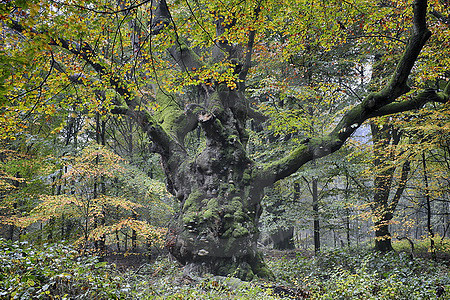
(57, 272)
(359, 273)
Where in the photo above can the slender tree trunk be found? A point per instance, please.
(347, 211)
(99, 186)
(383, 206)
(347, 226)
(12, 227)
(117, 241)
(134, 236)
(315, 205)
(102, 242)
(428, 204)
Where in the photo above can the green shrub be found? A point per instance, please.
(54, 271)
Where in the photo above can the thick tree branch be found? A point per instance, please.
(161, 17)
(249, 51)
(397, 85)
(185, 57)
(181, 53)
(221, 45)
(371, 106)
(143, 118)
(132, 104)
(412, 103)
(85, 52)
(441, 17)
(256, 115)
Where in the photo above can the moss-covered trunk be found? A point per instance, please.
(215, 230)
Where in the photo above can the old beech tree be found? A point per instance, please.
(218, 186)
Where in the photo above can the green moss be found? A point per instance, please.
(246, 177)
(227, 234)
(239, 216)
(212, 208)
(189, 218)
(193, 201)
(239, 231)
(236, 208)
(236, 203)
(216, 105)
(241, 270)
(208, 214)
(244, 272)
(283, 163)
(195, 58)
(262, 271)
(222, 87)
(169, 115)
(191, 207)
(231, 188)
(213, 204)
(260, 268)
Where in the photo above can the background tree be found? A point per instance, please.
(387, 160)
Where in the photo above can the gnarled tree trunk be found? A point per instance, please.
(216, 229)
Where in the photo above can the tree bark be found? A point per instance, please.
(383, 239)
(283, 239)
(315, 205)
(428, 204)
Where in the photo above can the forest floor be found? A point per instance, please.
(58, 272)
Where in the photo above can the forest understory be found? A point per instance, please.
(58, 272)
